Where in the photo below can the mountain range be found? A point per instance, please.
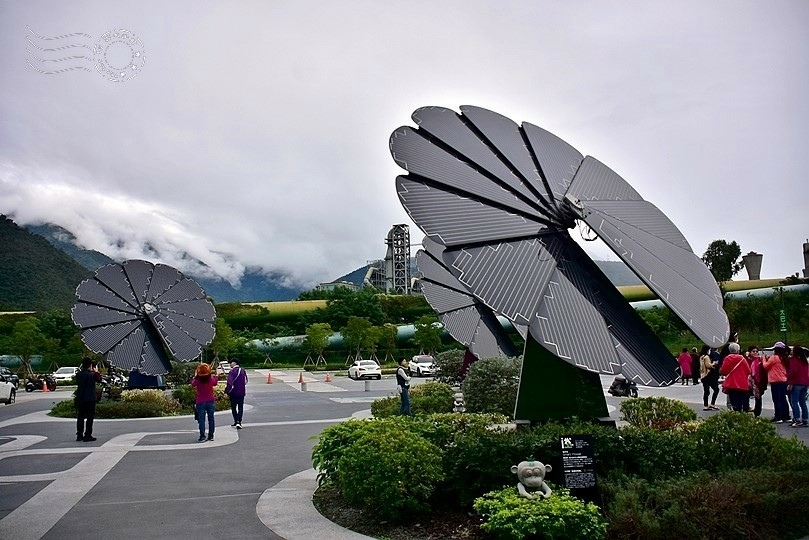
(41, 266)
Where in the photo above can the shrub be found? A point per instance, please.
(136, 409)
(64, 409)
(507, 515)
(390, 470)
(656, 412)
(650, 453)
(491, 385)
(426, 398)
(143, 396)
(331, 445)
(449, 365)
(729, 441)
(736, 504)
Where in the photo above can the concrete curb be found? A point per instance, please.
(300, 520)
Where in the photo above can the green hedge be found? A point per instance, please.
(425, 398)
(648, 477)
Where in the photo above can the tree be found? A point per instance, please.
(65, 344)
(317, 338)
(723, 259)
(387, 340)
(427, 334)
(223, 341)
(25, 341)
(354, 335)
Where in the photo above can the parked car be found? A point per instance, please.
(422, 365)
(224, 365)
(365, 369)
(8, 392)
(9, 376)
(65, 373)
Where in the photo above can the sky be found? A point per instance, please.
(255, 134)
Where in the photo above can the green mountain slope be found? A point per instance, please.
(34, 275)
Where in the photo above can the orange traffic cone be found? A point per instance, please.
(328, 377)
(300, 379)
(45, 386)
(269, 378)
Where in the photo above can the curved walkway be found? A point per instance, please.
(300, 520)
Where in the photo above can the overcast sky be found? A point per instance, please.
(256, 133)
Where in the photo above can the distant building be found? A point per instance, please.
(337, 284)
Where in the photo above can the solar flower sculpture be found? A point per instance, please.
(138, 314)
(496, 201)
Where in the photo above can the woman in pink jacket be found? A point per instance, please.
(685, 365)
(797, 384)
(737, 379)
(776, 366)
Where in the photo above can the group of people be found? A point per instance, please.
(785, 372)
(204, 382)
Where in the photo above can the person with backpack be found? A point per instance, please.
(236, 389)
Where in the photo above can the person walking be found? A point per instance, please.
(776, 366)
(758, 384)
(685, 366)
(236, 390)
(403, 385)
(204, 382)
(709, 374)
(797, 384)
(86, 396)
(695, 368)
(737, 378)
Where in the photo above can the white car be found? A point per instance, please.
(421, 365)
(362, 369)
(224, 365)
(65, 373)
(8, 393)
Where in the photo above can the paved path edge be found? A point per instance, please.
(299, 518)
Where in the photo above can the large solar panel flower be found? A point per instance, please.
(139, 314)
(498, 199)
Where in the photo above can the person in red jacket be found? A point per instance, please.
(797, 384)
(737, 379)
(685, 366)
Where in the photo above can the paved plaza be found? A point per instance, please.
(151, 478)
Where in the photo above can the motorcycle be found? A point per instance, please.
(40, 382)
(621, 387)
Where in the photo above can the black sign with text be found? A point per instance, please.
(578, 464)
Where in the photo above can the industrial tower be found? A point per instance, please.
(397, 260)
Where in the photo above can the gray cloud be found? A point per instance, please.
(256, 134)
